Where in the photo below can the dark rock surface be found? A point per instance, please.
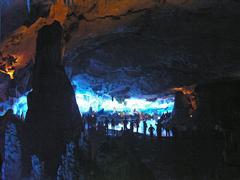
(181, 113)
(147, 50)
(163, 47)
(133, 52)
(219, 103)
(53, 116)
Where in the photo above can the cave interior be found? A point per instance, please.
(120, 89)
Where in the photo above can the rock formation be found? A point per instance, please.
(53, 116)
(159, 38)
(181, 109)
(219, 103)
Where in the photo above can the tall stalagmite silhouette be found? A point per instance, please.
(53, 117)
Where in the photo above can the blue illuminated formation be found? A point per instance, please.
(87, 99)
(4, 106)
(20, 106)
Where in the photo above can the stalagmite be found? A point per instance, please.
(53, 116)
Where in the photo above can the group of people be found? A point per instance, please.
(128, 124)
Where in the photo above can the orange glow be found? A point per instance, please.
(22, 43)
(23, 40)
(7, 64)
(183, 90)
(9, 72)
(189, 93)
(193, 102)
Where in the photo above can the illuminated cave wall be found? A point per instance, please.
(19, 106)
(95, 25)
(87, 98)
(106, 96)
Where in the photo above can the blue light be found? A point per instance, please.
(20, 106)
(87, 99)
(4, 107)
(28, 2)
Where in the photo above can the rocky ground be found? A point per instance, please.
(191, 157)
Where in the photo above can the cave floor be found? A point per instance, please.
(164, 159)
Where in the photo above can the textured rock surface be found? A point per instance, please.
(135, 48)
(219, 102)
(53, 114)
(161, 48)
(142, 47)
(181, 114)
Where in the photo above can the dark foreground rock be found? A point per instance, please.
(53, 117)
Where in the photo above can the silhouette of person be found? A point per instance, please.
(174, 131)
(106, 122)
(131, 126)
(137, 124)
(83, 124)
(113, 123)
(151, 130)
(94, 120)
(88, 120)
(125, 122)
(144, 128)
(100, 127)
(159, 129)
(167, 131)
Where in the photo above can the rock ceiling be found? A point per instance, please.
(139, 47)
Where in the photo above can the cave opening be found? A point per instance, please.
(106, 89)
(104, 106)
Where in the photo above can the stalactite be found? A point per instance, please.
(28, 3)
(69, 2)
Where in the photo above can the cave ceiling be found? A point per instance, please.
(139, 47)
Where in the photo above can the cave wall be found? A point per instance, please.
(147, 47)
(13, 14)
(181, 112)
(218, 103)
(217, 108)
